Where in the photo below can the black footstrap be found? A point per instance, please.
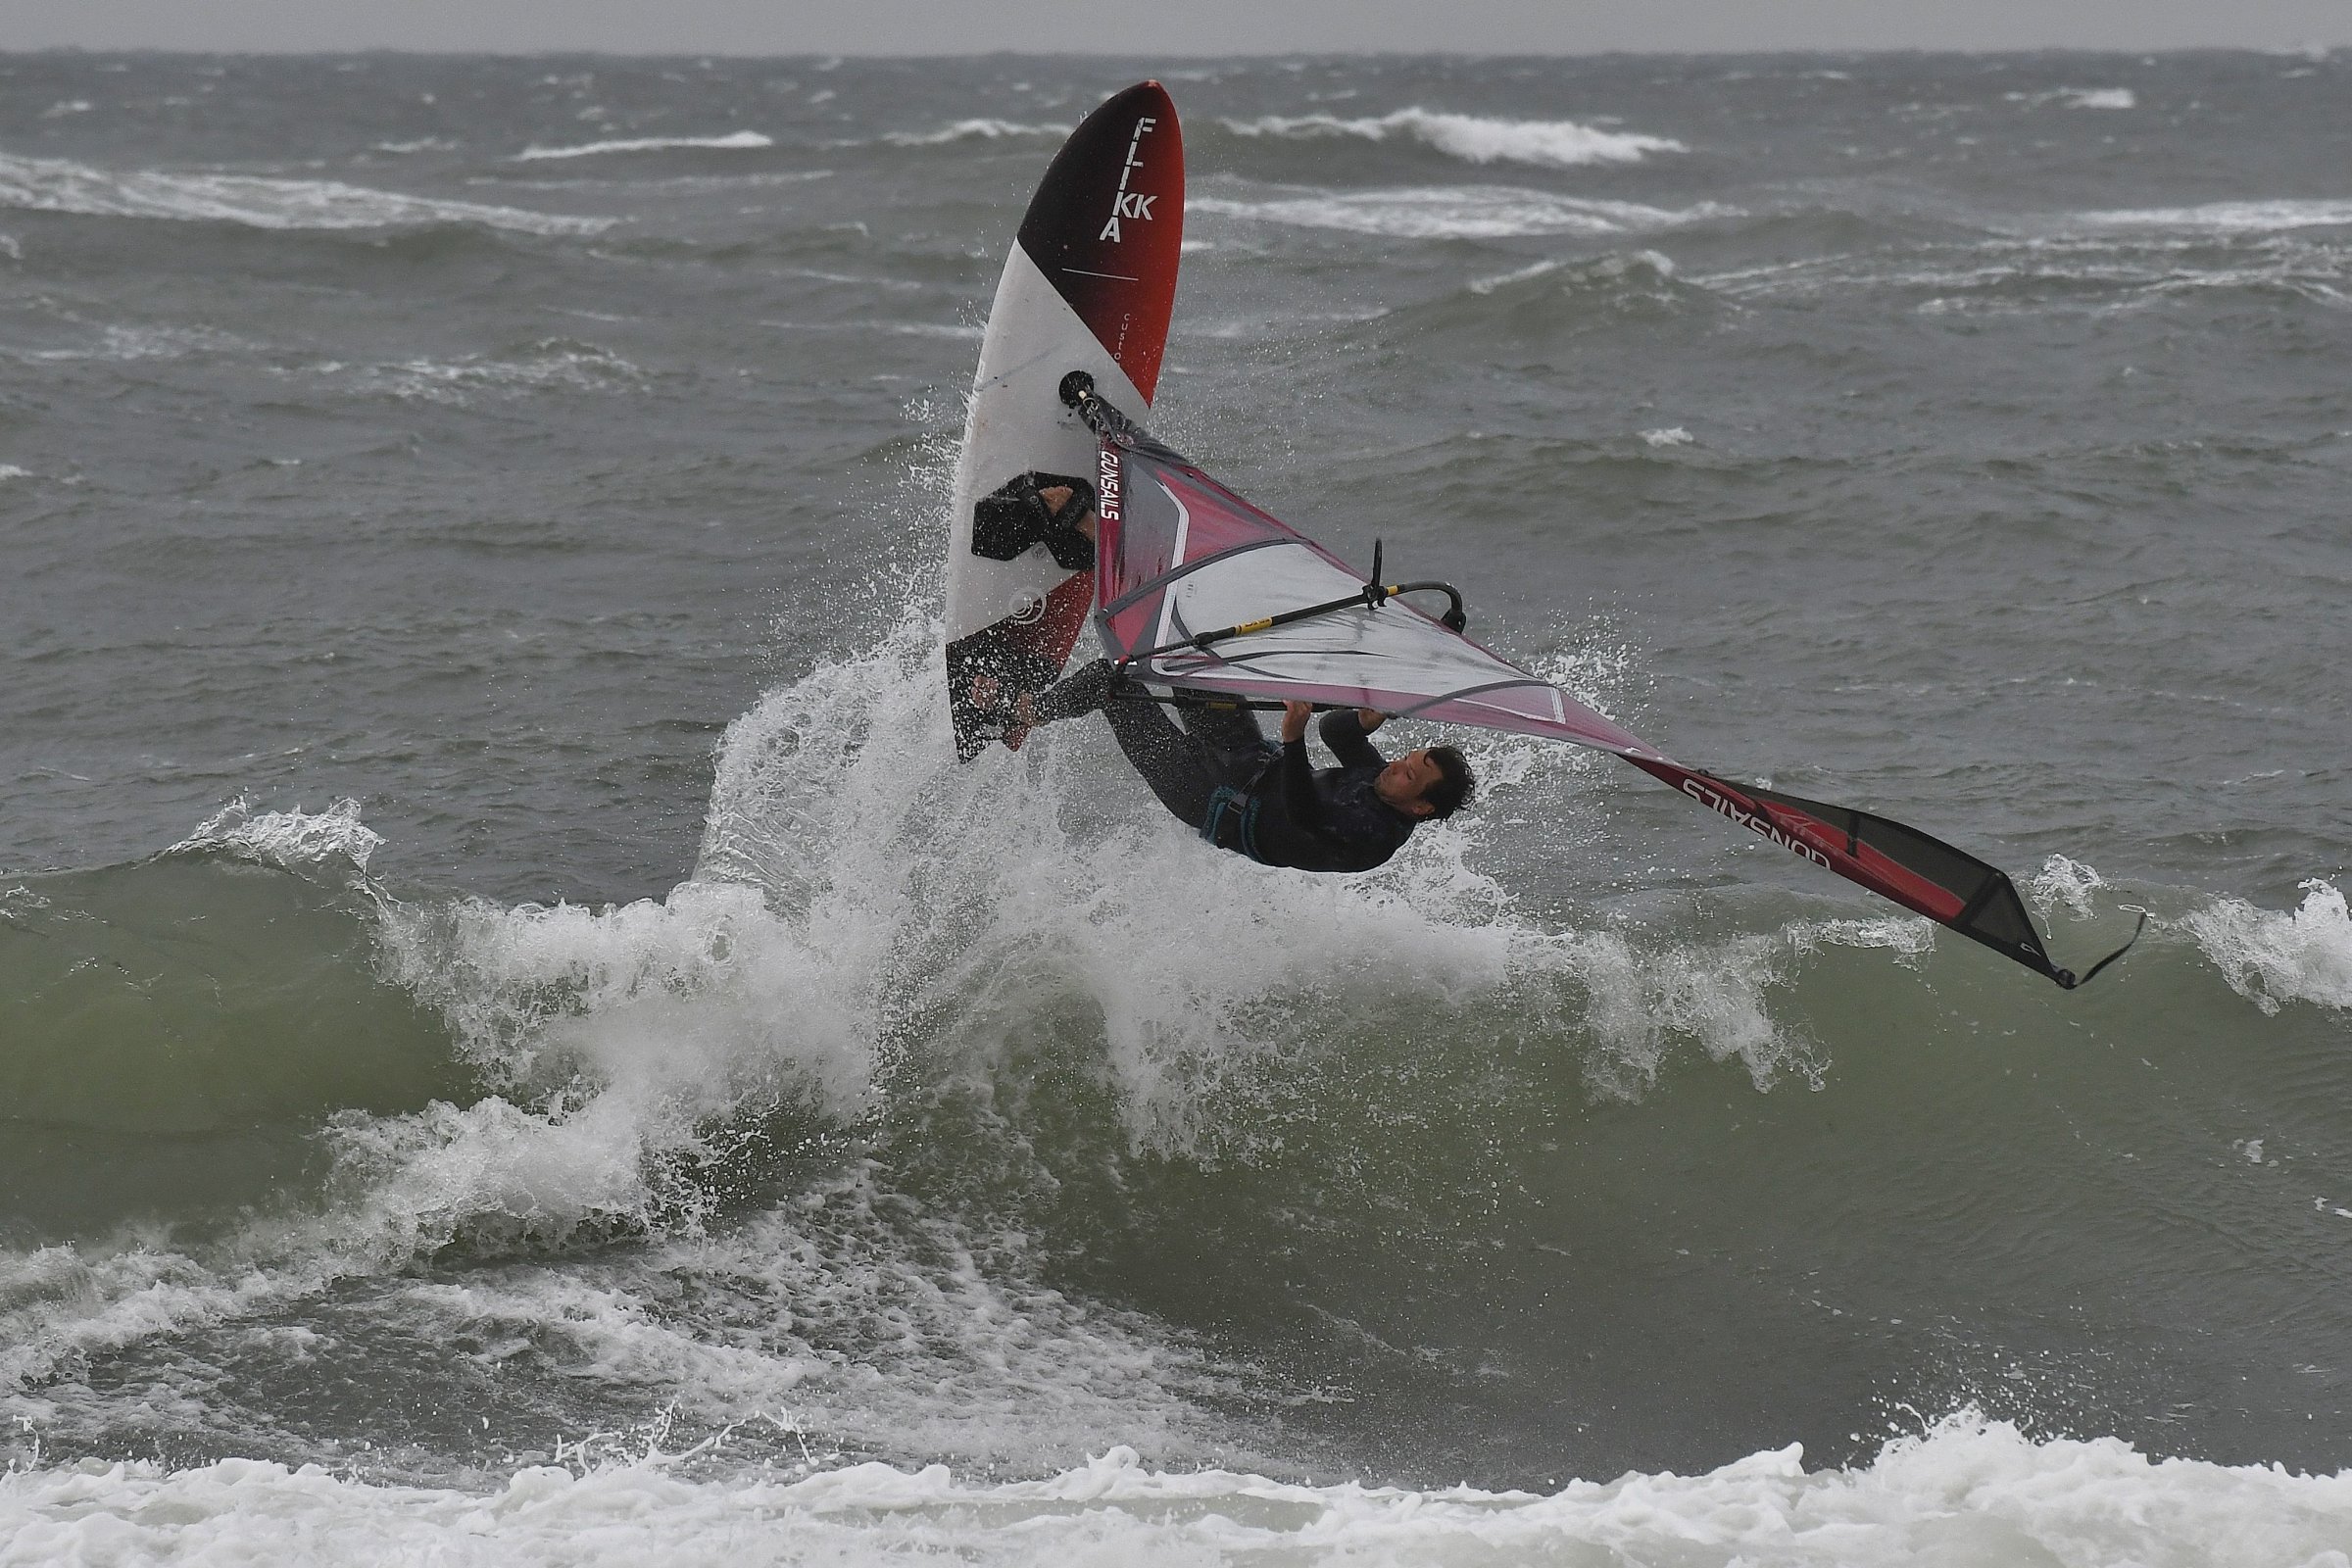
(1015, 518)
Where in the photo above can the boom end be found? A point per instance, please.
(2067, 979)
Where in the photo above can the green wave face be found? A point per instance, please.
(179, 1030)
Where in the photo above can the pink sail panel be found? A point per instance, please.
(1178, 553)
(1193, 584)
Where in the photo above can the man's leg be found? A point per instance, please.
(1186, 766)
(1181, 769)
(1231, 732)
(1075, 695)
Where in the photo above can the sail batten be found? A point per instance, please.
(1180, 554)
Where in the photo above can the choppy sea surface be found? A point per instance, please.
(519, 1044)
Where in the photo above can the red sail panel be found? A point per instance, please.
(1893, 860)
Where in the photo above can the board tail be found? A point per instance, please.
(1089, 285)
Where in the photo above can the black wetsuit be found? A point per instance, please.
(1220, 773)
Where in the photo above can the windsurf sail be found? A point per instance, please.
(1198, 589)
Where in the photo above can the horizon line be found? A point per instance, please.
(2314, 51)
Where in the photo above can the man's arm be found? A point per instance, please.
(1345, 730)
(1300, 803)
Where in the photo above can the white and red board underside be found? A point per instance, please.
(1089, 286)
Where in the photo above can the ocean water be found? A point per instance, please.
(519, 1043)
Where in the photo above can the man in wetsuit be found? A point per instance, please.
(1219, 774)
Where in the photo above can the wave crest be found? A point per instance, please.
(2228, 217)
(53, 186)
(971, 131)
(1475, 138)
(293, 841)
(2273, 957)
(740, 140)
(1453, 212)
(1966, 1489)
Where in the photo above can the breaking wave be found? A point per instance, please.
(2273, 957)
(744, 140)
(53, 186)
(1475, 138)
(2228, 217)
(971, 131)
(556, 364)
(1458, 212)
(870, 924)
(2080, 98)
(294, 840)
(875, 935)
(1967, 1492)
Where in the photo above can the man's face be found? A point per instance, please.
(1402, 783)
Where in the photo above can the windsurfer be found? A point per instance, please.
(1219, 773)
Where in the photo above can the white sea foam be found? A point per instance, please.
(984, 889)
(972, 130)
(2085, 261)
(1969, 1493)
(1672, 436)
(850, 1314)
(46, 185)
(556, 364)
(1517, 275)
(2274, 956)
(733, 141)
(1452, 211)
(1475, 138)
(293, 840)
(9, 471)
(118, 342)
(2063, 881)
(2228, 217)
(2080, 98)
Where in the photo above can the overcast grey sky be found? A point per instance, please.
(1168, 27)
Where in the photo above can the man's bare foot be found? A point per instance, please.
(1058, 496)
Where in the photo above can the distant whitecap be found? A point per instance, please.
(1476, 138)
(734, 141)
(2229, 218)
(54, 185)
(971, 131)
(1461, 212)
